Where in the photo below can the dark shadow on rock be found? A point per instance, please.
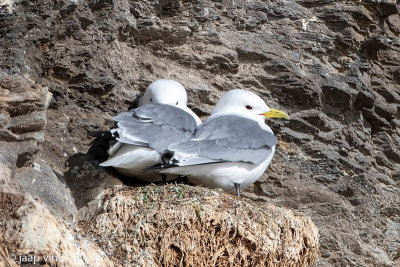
(98, 149)
(60, 177)
(86, 179)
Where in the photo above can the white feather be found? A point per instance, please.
(224, 174)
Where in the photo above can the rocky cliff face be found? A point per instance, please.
(333, 66)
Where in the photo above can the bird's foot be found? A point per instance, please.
(164, 178)
(237, 187)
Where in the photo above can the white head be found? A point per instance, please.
(167, 92)
(164, 91)
(247, 103)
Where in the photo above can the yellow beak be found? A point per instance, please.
(274, 113)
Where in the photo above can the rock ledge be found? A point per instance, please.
(181, 225)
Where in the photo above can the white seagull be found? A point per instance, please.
(143, 133)
(231, 149)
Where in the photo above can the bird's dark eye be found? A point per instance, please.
(249, 107)
(177, 102)
(151, 99)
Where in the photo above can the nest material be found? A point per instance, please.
(5, 256)
(180, 225)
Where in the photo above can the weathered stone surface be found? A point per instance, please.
(32, 230)
(23, 107)
(333, 65)
(41, 182)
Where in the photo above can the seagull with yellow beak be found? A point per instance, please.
(231, 149)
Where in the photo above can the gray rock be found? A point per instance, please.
(87, 180)
(332, 65)
(41, 182)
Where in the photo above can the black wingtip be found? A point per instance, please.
(103, 134)
(159, 166)
(135, 102)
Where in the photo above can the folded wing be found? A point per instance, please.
(155, 126)
(225, 138)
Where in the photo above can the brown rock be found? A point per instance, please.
(332, 65)
(35, 231)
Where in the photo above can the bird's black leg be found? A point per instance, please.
(237, 187)
(164, 178)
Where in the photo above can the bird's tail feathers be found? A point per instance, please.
(168, 162)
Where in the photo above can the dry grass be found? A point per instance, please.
(181, 225)
(4, 256)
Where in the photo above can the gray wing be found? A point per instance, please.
(226, 138)
(154, 125)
